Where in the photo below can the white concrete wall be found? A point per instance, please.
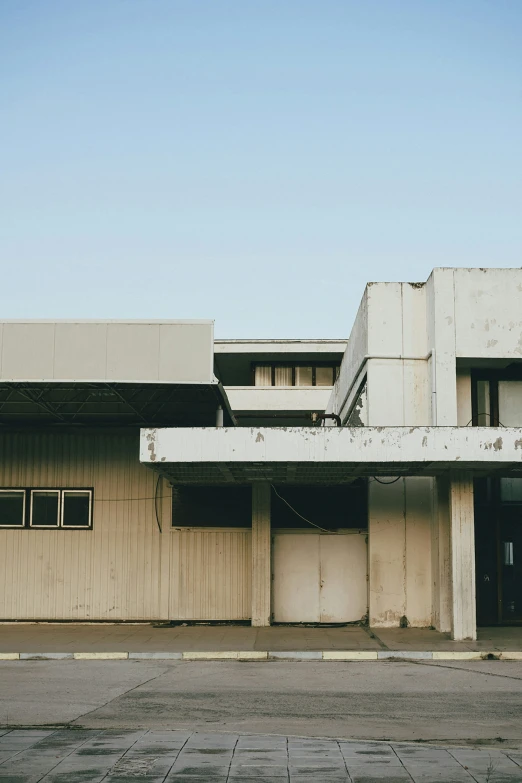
(488, 312)
(412, 336)
(167, 351)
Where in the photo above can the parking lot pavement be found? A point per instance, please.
(91, 756)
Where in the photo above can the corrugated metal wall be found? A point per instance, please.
(210, 575)
(110, 572)
(123, 569)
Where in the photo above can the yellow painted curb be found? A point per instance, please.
(453, 655)
(508, 655)
(209, 656)
(9, 656)
(253, 655)
(101, 656)
(355, 655)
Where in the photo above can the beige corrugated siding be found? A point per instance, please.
(109, 573)
(210, 575)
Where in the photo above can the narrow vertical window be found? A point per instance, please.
(263, 376)
(483, 404)
(45, 507)
(303, 376)
(283, 376)
(324, 376)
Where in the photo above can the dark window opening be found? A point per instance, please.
(43, 508)
(12, 508)
(328, 507)
(496, 397)
(211, 506)
(76, 508)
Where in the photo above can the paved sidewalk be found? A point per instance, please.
(90, 756)
(145, 637)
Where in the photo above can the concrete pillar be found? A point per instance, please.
(462, 542)
(441, 556)
(261, 554)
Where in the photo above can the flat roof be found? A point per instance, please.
(279, 346)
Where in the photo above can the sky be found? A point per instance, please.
(255, 162)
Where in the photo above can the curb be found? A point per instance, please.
(255, 655)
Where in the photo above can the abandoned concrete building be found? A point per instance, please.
(150, 472)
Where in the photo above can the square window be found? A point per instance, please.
(283, 376)
(45, 507)
(12, 508)
(324, 376)
(263, 376)
(303, 376)
(76, 508)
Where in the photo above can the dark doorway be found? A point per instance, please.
(498, 551)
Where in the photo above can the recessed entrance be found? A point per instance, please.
(498, 551)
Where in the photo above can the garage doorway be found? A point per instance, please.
(319, 578)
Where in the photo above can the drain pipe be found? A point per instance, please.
(219, 416)
(317, 417)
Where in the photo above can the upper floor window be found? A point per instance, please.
(295, 374)
(497, 397)
(46, 508)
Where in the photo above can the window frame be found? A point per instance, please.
(62, 508)
(40, 490)
(23, 492)
(28, 494)
(512, 373)
(293, 365)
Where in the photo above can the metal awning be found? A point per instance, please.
(33, 403)
(327, 455)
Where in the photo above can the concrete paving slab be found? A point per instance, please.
(366, 761)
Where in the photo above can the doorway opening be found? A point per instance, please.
(498, 550)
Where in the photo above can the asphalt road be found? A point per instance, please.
(448, 702)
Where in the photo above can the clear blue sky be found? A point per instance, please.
(252, 161)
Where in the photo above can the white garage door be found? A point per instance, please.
(319, 578)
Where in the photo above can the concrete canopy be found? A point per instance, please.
(327, 455)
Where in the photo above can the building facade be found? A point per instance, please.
(148, 472)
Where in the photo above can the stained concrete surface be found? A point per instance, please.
(425, 701)
(115, 756)
(146, 637)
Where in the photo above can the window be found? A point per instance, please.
(45, 505)
(295, 374)
(212, 506)
(12, 507)
(76, 508)
(497, 397)
(43, 508)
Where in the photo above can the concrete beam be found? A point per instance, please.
(430, 448)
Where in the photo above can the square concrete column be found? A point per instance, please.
(261, 554)
(462, 544)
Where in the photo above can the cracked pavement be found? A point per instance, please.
(83, 721)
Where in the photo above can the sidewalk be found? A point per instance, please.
(363, 643)
(156, 756)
